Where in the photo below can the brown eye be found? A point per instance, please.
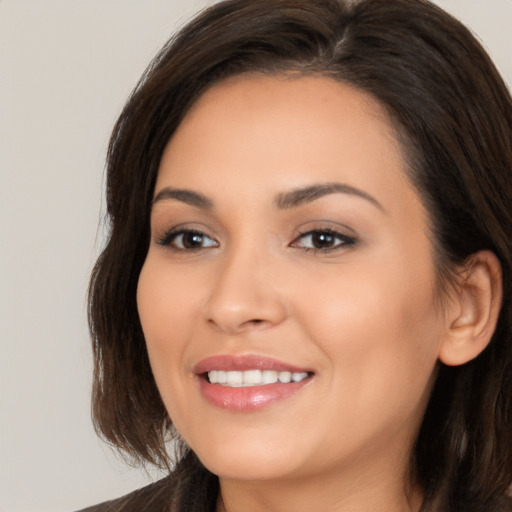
(187, 240)
(323, 240)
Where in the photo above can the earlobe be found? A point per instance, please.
(475, 306)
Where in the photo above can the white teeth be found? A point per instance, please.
(236, 379)
(269, 377)
(252, 377)
(285, 377)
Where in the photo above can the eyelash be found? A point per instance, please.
(345, 241)
(170, 236)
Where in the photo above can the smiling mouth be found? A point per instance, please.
(250, 382)
(254, 377)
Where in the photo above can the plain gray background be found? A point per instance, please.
(66, 68)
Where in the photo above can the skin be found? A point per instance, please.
(362, 316)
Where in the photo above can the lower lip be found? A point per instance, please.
(248, 398)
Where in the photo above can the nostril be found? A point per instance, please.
(256, 323)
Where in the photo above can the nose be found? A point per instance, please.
(244, 295)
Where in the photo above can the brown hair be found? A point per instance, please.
(453, 115)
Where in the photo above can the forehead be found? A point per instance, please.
(256, 132)
(287, 98)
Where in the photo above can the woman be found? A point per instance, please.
(307, 279)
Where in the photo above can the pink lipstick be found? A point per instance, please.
(245, 383)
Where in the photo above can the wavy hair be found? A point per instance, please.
(452, 114)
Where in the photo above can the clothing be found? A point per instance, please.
(155, 497)
(189, 488)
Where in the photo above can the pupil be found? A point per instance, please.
(192, 240)
(322, 240)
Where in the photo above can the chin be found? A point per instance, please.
(247, 468)
(247, 459)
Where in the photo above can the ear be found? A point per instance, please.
(473, 310)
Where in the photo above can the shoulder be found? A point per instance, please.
(155, 497)
(190, 487)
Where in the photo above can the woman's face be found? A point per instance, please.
(290, 258)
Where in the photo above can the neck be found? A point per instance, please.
(386, 492)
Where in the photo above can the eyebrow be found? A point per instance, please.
(283, 201)
(185, 196)
(308, 194)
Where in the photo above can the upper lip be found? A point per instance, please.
(228, 362)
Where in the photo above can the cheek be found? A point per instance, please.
(378, 327)
(166, 299)
(164, 304)
(167, 304)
